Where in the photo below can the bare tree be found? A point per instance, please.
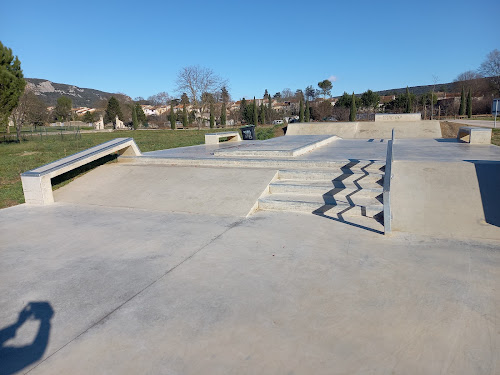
(162, 98)
(196, 80)
(30, 110)
(469, 80)
(287, 94)
(491, 68)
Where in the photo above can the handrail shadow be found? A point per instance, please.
(329, 197)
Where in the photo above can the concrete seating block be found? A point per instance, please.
(214, 138)
(37, 185)
(474, 135)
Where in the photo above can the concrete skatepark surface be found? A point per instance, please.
(151, 265)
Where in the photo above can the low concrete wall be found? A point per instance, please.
(446, 199)
(369, 130)
(398, 117)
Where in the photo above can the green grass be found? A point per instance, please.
(495, 137)
(16, 158)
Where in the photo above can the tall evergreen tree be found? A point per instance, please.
(255, 113)
(461, 110)
(408, 101)
(469, 104)
(135, 121)
(212, 118)
(141, 116)
(11, 84)
(63, 109)
(308, 112)
(172, 116)
(301, 111)
(269, 108)
(243, 109)
(262, 114)
(112, 110)
(223, 115)
(352, 115)
(184, 117)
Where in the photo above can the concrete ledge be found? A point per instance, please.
(37, 185)
(214, 138)
(474, 135)
(398, 117)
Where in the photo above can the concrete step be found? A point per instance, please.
(329, 175)
(252, 163)
(360, 206)
(370, 188)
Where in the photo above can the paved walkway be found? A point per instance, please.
(123, 291)
(180, 281)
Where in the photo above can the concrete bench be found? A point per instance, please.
(474, 135)
(214, 138)
(37, 185)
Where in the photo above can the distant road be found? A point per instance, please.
(481, 123)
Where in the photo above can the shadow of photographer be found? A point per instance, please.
(15, 358)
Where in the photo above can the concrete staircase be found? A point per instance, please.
(352, 189)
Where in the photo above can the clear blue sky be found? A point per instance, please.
(138, 47)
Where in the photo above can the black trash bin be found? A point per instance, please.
(248, 132)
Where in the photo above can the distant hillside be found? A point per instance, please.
(419, 90)
(49, 92)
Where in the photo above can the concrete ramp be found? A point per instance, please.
(369, 130)
(217, 191)
(447, 199)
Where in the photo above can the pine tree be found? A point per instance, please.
(461, 110)
(408, 101)
(112, 110)
(135, 122)
(301, 111)
(269, 108)
(172, 117)
(243, 109)
(308, 112)
(352, 115)
(469, 104)
(184, 117)
(12, 84)
(223, 115)
(212, 118)
(255, 113)
(141, 117)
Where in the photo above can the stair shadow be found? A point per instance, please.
(330, 195)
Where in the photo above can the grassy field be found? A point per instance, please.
(16, 158)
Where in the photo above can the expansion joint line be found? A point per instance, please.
(231, 226)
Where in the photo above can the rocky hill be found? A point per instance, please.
(49, 92)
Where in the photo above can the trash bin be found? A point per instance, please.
(248, 132)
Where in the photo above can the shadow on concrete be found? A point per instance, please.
(488, 177)
(16, 358)
(447, 140)
(329, 197)
(70, 175)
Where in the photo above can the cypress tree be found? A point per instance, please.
(135, 122)
(112, 110)
(255, 113)
(223, 115)
(308, 112)
(172, 117)
(469, 104)
(269, 109)
(301, 111)
(184, 117)
(461, 111)
(408, 101)
(212, 119)
(262, 114)
(352, 115)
